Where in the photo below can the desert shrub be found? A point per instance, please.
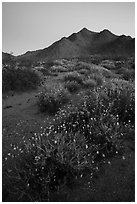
(45, 72)
(83, 65)
(52, 98)
(53, 74)
(49, 163)
(58, 69)
(100, 129)
(19, 79)
(127, 74)
(108, 74)
(73, 77)
(122, 94)
(96, 60)
(108, 64)
(89, 83)
(115, 99)
(72, 86)
(98, 78)
(83, 71)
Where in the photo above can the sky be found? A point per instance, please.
(28, 26)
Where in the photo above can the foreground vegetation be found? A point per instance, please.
(91, 115)
(19, 80)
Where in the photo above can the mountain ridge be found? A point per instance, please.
(84, 43)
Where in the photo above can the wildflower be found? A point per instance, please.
(123, 157)
(86, 146)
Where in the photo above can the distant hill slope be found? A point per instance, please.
(7, 58)
(84, 43)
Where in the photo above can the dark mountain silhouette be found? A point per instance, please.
(7, 58)
(84, 43)
(123, 45)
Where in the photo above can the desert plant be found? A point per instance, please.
(52, 98)
(83, 71)
(47, 164)
(83, 65)
(108, 64)
(72, 86)
(73, 77)
(98, 78)
(89, 83)
(127, 74)
(122, 95)
(19, 79)
(58, 68)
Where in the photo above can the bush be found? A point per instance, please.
(98, 78)
(83, 65)
(89, 83)
(19, 79)
(108, 74)
(83, 71)
(115, 98)
(127, 74)
(52, 98)
(72, 86)
(108, 64)
(73, 77)
(45, 72)
(58, 68)
(49, 164)
(122, 94)
(100, 129)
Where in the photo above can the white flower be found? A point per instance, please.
(123, 157)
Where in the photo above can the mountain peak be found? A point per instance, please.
(85, 30)
(106, 31)
(125, 37)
